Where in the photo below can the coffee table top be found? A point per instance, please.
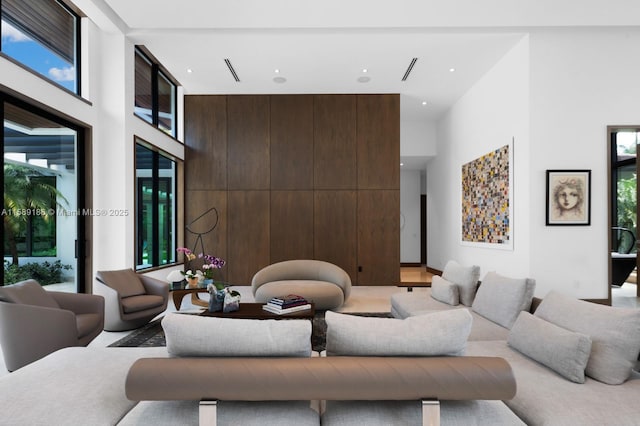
(255, 311)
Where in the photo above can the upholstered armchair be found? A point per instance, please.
(35, 322)
(131, 300)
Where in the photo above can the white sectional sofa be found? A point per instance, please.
(573, 360)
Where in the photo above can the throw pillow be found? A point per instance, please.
(563, 351)
(433, 334)
(465, 277)
(444, 291)
(501, 299)
(196, 336)
(614, 332)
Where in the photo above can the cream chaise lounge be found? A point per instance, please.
(324, 283)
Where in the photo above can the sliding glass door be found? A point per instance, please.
(41, 211)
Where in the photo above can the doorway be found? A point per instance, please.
(43, 198)
(623, 211)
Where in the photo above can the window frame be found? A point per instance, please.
(77, 40)
(156, 179)
(157, 71)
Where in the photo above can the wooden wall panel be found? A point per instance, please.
(248, 234)
(378, 141)
(214, 242)
(334, 134)
(205, 135)
(291, 225)
(335, 227)
(378, 237)
(248, 142)
(291, 142)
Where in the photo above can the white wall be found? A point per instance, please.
(417, 138)
(581, 81)
(410, 216)
(492, 113)
(555, 92)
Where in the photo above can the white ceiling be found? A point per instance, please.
(323, 46)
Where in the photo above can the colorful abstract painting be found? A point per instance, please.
(486, 209)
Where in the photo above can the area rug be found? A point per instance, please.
(152, 333)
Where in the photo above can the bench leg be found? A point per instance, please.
(208, 413)
(430, 412)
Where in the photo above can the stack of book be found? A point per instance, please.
(287, 304)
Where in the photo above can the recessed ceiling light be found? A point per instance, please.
(279, 80)
(452, 69)
(364, 79)
(365, 70)
(276, 71)
(424, 102)
(189, 70)
(401, 164)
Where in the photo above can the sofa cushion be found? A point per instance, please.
(432, 334)
(465, 277)
(28, 292)
(563, 351)
(140, 303)
(196, 336)
(545, 398)
(614, 332)
(501, 299)
(445, 291)
(125, 281)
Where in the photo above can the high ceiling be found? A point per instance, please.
(324, 47)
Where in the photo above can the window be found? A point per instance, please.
(155, 94)
(155, 208)
(44, 182)
(624, 203)
(43, 35)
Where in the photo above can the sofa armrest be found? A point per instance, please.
(28, 332)
(112, 306)
(80, 303)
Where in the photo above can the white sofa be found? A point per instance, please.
(573, 360)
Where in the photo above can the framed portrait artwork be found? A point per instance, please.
(569, 197)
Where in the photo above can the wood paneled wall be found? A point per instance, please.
(297, 177)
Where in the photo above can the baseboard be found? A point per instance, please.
(410, 265)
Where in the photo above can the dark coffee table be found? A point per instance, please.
(255, 311)
(179, 293)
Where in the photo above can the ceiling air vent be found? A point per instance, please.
(408, 71)
(231, 70)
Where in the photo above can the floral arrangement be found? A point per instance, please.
(211, 263)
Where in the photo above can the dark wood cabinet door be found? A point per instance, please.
(334, 130)
(291, 225)
(205, 139)
(335, 229)
(291, 142)
(248, 234)
(248, 142)
(378, 141)
(378, 237)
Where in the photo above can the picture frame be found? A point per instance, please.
(568, 198)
